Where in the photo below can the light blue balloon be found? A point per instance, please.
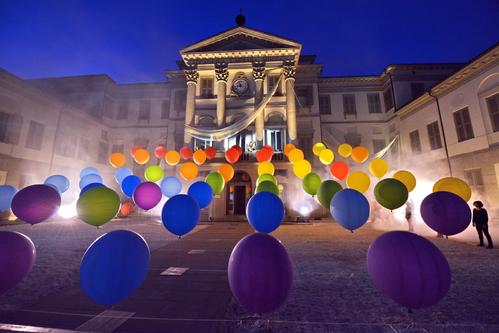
(89, 179)
(171, 186)
(7, 192)
(121, 173)
(89, 171)
(350, 209)
(60, 182)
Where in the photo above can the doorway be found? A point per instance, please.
(239, 192)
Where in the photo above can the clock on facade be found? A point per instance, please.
(240, 85)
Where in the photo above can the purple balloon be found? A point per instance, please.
(17, 256)
(36, 203)
(446, 213)
(409, 269)
(260, 273)
(147, 195)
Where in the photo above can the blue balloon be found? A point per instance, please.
(90, 186)
(7, 192)
(60, 182)
(350, 209)
(121, 173)
(180, 214)
(89, 171)
(201, 192)
(114, 266)
(265, 211)
(89, 179)
(171, 186)
(129, 184)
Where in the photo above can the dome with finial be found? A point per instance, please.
(240, 19)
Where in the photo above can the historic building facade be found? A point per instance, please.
(436, 115)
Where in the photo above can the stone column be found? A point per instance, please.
(191, 76)
(259, 76)
(289, 77)
(221, 75)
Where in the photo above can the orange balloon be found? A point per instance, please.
(172, 157)
(287, 148)
(339, 170)
(295, 155)
(227, 171)
(141, 156)
(360, 154)
(189, 170)
(199, 157)
(126, 209)
(135, 148)
(117, 160)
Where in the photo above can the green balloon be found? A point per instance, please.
(216, 181)
(266, 177)
(98, 206)
(267, 186)
(326, 192)
(391, 193)
(311, 183)
(154, 173)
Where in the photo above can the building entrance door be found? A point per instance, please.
(238, 193)
(239, 200)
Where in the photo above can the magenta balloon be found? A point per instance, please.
(147, 195)
(446, 213)
(409, 269)
(36, 203)
(260, 273)
(17, 256)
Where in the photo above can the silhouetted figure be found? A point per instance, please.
(480, 221)
(409, 208)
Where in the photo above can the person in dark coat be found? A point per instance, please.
(480, 221)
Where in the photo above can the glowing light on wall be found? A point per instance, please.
(67, 211)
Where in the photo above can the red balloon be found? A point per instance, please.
(339, 170)
(265, 154)
(210, 152)
(239, 149)
(186, 152)
(135, 148)
(160, 151)
(232, 155)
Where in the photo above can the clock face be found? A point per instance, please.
(240, 86)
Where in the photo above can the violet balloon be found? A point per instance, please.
(36, 203)
(446, 213)
(17, 256)
(147, 195)
(409, 269)
(260, 273)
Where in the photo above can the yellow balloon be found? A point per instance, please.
(453, 185)
(280, 187)
(287, 148)
(172, 157)
(406, 178)
(359, 181)
(378, 167)
(295, 155)
(318, 147)
(189, 170)
(326, 156)
(266, 167)
(117, 160)
(345, 150)
(302, 168)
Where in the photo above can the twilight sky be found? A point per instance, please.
(136, 40)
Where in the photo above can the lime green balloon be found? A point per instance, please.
(266, 177)
(311, 183)
(98, 206)
(216, 181)
(391, 193)
(154, 173)
(326, 192)
(267, 186)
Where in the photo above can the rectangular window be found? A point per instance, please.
(108, 108)
(207, 88)
(325, 104)
(145, 110)
(118, 148)
(434, 135)
(493, 106)
(165, 109)
(388, 99)
(274, 139)
(35, 135)
(415, 142)
(103, 153)
(179, 103)
(305, 95)
(473, 177)
(378, 145)
(349, 107)
(417, 89)
(83, 149)
(10, 127)
(463, 125)
(103, 135)
(306, 143)
(374, 103)
(122, 111)
(271, 82)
